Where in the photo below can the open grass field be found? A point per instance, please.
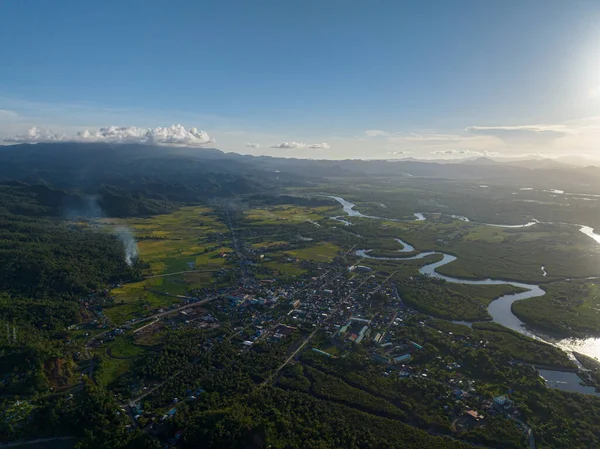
(322, 252)
(118, 357)
(112, 369)
(180, 241)
(287, 213)
(182, 250)
(124, 347)
(260, 245)
(137, 299)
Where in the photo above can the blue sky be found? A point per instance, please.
(368, 78)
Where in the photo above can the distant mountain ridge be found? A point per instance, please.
(187, 174)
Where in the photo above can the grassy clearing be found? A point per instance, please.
(212, 259)
(198, 279)
(174, 285)
(286, 269)
(112, 369)
(287, 213)
(118, 358)
(330, 348)
(125, 347)
(136, 300)
(487, 234)
(323, 252)
(268, 244)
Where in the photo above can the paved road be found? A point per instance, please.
(178, 272)
(246, 277)
(178, 309)
(38, 441)
(145, 326)
(132, 402)
(154, 318)
(270, 378)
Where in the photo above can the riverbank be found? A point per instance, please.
(501, 309)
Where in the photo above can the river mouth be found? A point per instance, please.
(500, 308)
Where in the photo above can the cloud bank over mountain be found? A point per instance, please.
(572, 137)
(172, 135)
(294, 145)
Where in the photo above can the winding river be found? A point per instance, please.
(499, 309)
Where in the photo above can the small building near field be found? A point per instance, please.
(473, 415)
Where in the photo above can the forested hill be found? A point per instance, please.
(44, 256)
(129, 179)
(186, 174)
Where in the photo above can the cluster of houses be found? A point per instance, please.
(395, 354)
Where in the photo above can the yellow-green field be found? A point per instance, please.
(182, 251)
(322, 252)
(285, 269)
(176, 242)
(137, 299)
(487, 233)
(288, 213)
(268, 244)
(182, 254)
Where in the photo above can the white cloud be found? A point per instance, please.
(253, 145)
(467, 153)
(399, 153)
(172, 135)
(320, 146)
(297, 145)
(289, 145)
(523, 135)
(377, 133)
(35, 134)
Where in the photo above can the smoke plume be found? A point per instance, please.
(91, 210)
(129, 244)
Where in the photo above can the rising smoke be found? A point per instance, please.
(92, 209)
(129, 244)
